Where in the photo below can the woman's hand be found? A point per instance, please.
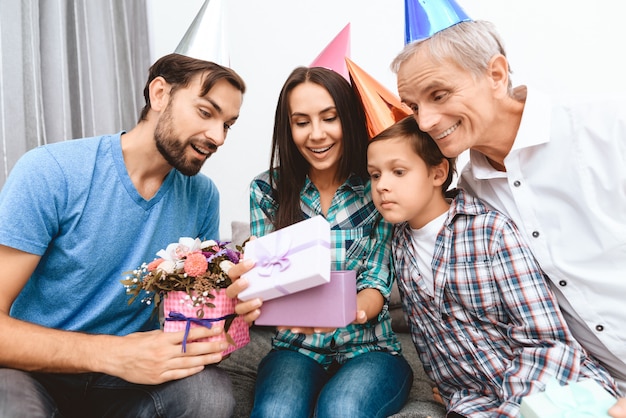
(249, 309)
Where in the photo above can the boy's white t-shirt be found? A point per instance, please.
(424, 244)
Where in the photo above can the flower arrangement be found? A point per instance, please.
(192, 266)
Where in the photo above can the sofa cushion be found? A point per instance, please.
(240, 231)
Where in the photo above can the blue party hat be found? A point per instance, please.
(424, 18)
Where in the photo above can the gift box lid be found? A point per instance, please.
(289, 260)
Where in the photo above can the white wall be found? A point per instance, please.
(570, 48)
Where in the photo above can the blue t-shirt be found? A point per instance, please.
(74, 204)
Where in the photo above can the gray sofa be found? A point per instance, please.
(241, 365)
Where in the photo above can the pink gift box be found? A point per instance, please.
(289, 260)
(330, 305)
(177, 303)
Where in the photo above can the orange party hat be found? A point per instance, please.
(382, 107)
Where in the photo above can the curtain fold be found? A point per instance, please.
(69, 69)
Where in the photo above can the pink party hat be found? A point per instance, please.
(424, 18)
(382, 107)
(333, 55)
(206, 37)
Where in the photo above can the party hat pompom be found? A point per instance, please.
(206, 37)
(424, 18)
(332, 57)
(382, 107)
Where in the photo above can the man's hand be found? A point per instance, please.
(155, 357)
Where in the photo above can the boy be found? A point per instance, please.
(482, 317)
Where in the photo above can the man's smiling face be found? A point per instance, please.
(192, 127)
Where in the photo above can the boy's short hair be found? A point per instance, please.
(423, 145)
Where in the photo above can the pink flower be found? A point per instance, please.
(195, 264)
(154, 264)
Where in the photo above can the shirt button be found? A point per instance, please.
(599, 328)
(535, 234)
(517, 183)
(562, 283)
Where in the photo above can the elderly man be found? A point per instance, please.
(557, 171)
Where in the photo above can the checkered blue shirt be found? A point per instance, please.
(492, 332)
(360, 241)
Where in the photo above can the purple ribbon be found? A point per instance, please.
(205, 322)
(268, 260)
(277, 257)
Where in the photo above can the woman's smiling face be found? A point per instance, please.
(315, 126)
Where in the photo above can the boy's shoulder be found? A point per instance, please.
(475, 211)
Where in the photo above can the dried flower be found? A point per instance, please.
(193, 266)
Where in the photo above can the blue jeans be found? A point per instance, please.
(292, 385)
(32, 395)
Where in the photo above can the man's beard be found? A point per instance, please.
(172, 149)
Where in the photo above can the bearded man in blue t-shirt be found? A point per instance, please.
(73, 217)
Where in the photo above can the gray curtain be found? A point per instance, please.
(69, 69)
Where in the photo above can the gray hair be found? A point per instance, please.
(471, 44)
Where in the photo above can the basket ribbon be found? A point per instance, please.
(205, 322)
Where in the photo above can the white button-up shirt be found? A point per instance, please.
(565, 188)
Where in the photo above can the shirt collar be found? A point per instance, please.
(463, 204)
(354, 183)
(534, 127)
(534, 130)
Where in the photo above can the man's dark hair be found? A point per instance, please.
(178, 70)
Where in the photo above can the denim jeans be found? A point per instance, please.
(292, 385)
(32, 395)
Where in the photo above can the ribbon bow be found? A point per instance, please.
(205, 322)
(268, 260)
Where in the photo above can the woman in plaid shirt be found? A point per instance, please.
(483, 318)
(318, 167)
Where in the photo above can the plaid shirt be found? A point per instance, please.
(360, 241)
(492, 333)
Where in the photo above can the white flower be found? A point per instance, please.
(167, 266)
(176, 251)
(226, 265)
(208, 243)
